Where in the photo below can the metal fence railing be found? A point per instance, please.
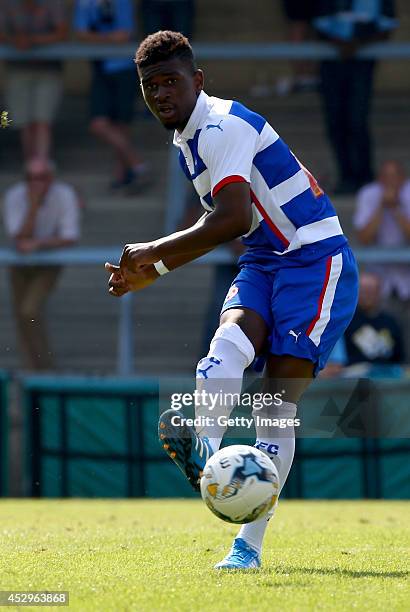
(399, 50)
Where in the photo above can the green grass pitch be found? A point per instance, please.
(158, 555)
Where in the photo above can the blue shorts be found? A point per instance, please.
(306, 308)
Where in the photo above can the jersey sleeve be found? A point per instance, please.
(227, 147)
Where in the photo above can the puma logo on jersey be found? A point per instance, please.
(218, 127)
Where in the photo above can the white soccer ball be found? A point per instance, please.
(240, 484)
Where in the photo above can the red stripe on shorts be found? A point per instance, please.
(321, 297)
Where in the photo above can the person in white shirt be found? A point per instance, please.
(39, 213)
(382, 218)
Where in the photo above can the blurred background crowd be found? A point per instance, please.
(82, 157)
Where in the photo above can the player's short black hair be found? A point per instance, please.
(165, 45)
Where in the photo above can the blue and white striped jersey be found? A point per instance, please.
(293, 218)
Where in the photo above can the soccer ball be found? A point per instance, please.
(240, 484)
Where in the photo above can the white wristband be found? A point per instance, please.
(161, 267)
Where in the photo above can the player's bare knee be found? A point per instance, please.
(234, 315)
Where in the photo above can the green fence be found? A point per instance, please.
(98, 438)
(4, 381)
(356, 466)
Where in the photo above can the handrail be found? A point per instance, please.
(210, 51)
(75, 256)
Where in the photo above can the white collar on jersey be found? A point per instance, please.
(201, 109)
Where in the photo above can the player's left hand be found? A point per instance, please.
(136, 255)
(119, 284)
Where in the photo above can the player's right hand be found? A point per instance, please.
(121, 283)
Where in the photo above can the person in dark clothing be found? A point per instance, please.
(347, 82)
(374, 335)
(177, 15)
(114, 87)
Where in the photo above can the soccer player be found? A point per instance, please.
(296, 291)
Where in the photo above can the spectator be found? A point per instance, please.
(114, 84)
(176, 15)
(382, 218)
(39, 213)
(347, 82)
(33, 87)
(374, 336)
(299, 15)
